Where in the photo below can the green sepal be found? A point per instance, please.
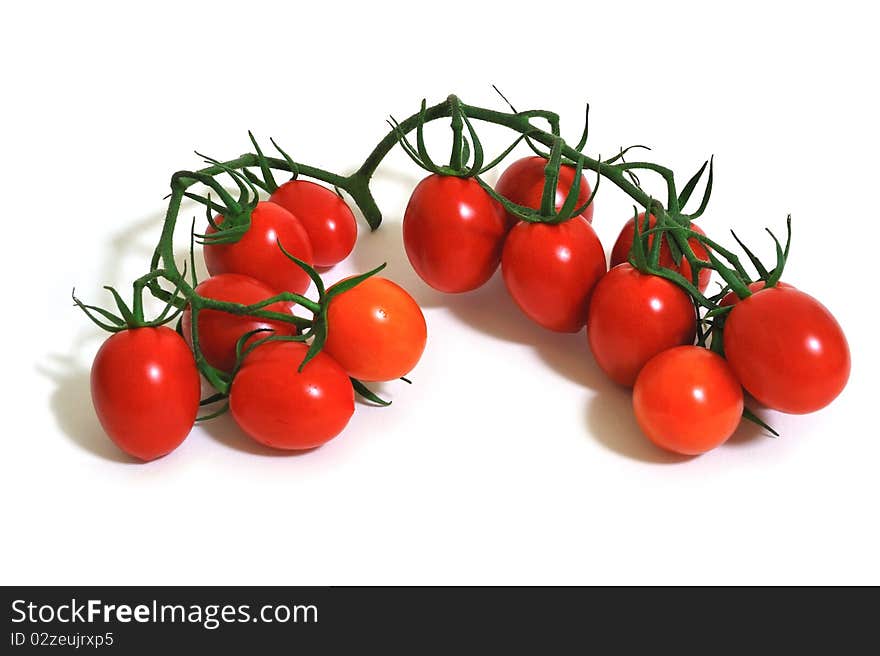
(707, 193)
(685, 194)
(213, 415)
(755, 419)
(729, 276)
(781, 255)
(269, 185)
(367, 393)
(759, 266)
(345, 285)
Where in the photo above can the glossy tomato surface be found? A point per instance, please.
(634, 316)
(327, 219)
(550, 271)
(283, 408)
(620, 252)
(375, 330)
(787, 349)
(453, 232)
(257, 254)
(523, 183)
(145, 389)
(687, 400)
(219, 331)
(732, 299)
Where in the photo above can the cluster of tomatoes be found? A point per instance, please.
(779, 344)
(145, 382)
(290, 381)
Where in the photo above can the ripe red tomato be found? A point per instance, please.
(620, 252)
(257, 254)
(453, 232)
(523, 183)
(732, 299)
(634, 316)
(550, 271)
(219, 332)
(375, 331)
(687, 400)
(145, 389)
(281, 407)
(787, 350)
(327, 219)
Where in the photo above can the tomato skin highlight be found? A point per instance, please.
(327, 219)
(283, 408)
(376, 330)
(453, 232)
(620, 252)
(730, 298)
(634, 316)
(257, 254)
(145, 390)
(787, 349)
(523, 183)
(687, 400)
(219, 332)
(550, 271)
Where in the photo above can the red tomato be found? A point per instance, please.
(257, 254)
(620, 252)
(453, 232)
(550, 271)
(634, 316)
(787, 349)
(145, 389)
(523, 183)
(219, 332)
(687, 400)
(732, 299)
(327, 219)
(283, 408)
(375, 331)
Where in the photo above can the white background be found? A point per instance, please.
(511, 459)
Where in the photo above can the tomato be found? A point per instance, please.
(550, 271)
(327, 219)
(219, 331)
(687, 400)
(634, 316)
(732, 299)
(787, 350)
(620, 252)
(257, 254)
(453, 232)
(523, 183)
(375, 330)
(145, 389)
(281, 407)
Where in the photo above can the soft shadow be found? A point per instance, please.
(224, 430)
(611, 420)
(490, 310)
(71, 406)
(568, 354)
(386, 245)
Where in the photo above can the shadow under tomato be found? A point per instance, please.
(610, 419)
(71, 406)
(491, 311)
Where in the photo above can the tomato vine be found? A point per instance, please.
(672, 222)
